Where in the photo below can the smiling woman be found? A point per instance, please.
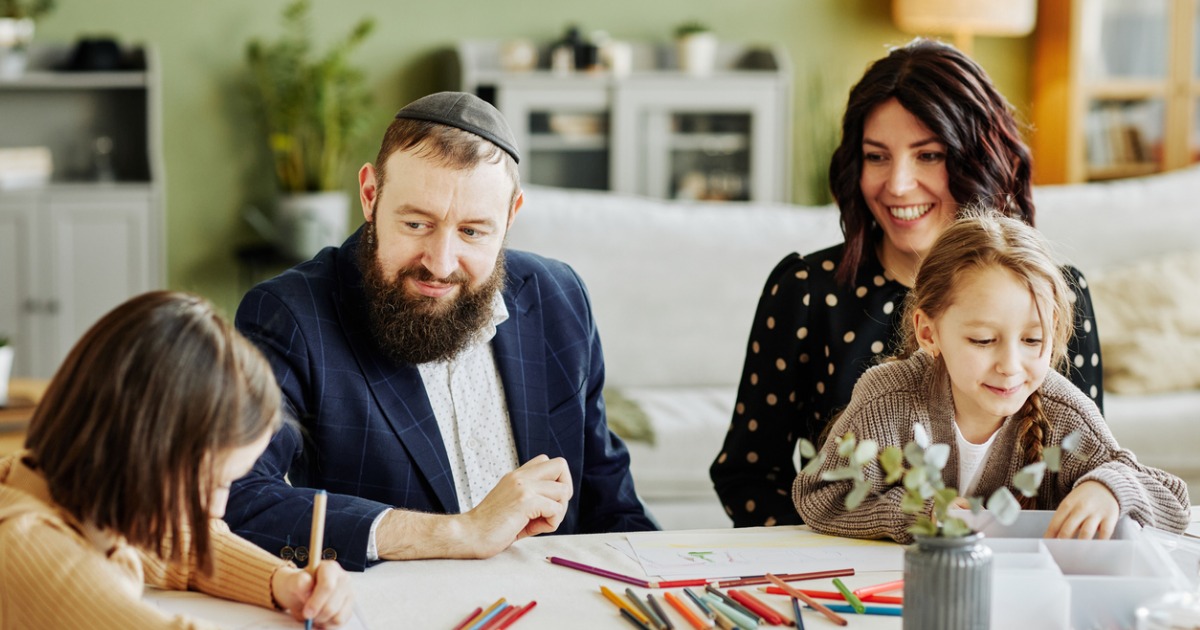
(925, 135)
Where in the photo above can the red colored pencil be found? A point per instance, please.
(894, 585)
(468, 619)
(869, 599)
(690, 616)
(758, 607)
(517, 615)
(786, 577)
(818, 606)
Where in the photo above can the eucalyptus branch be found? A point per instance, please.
(918, 469)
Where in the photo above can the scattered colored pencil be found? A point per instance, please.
(894, 585)
(487, 617)
(851, 598)
(640, 605)
(758, 607)
(818, 606)
(868, 599)
(796, 614)
(868, 610)
(623, 605)
(695, 621)
(739, 618)
(729, 601)
(469, 618)
(586, 568)
(517, 615)
(659, 612)
(696, 598)
(628, 616)
(786, 577)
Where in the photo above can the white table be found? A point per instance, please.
(437, 594)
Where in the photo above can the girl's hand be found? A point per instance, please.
(327, 600)
(960, 503)
(1089, 511)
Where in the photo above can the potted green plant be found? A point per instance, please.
(311, 109)
(17, 19)
(696, 46)
(6, 362)
(948, 553)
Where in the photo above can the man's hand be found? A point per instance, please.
(327, 599)
(528, 501)
(1089, 511)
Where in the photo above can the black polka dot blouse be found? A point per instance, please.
(810, 341)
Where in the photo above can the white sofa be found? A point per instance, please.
(674, 286)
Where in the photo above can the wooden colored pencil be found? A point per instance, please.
(786, 577)
(658, 610)
(316, 540)
(517, 615)
(587, 568)
(469, 618)
(796, 613)
(483, 613)
(736, 616)
(894, 585)
(696, 598)
(818, 606)
(869, 599)
(758, 607)
(628, 616)
(498, 618)
(688, 615)
(729, 601)
(851, 598)
(652, 619)
(622, 604)
(487, 617)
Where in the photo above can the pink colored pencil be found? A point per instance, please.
(894, 585)
(869, 599)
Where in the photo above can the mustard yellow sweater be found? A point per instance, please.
(890, 398)
(56, 572)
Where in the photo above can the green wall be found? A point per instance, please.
(209, 147)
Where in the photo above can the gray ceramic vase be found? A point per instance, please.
(948, 584)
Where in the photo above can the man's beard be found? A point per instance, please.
(416, 328)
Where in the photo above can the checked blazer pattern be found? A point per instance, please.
(366, 433)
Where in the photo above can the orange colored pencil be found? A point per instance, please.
(690, 616)
(817, 606)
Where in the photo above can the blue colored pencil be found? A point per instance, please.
(703, 606)
(867, 610)
(796, 614)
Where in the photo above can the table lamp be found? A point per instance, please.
(965, 18)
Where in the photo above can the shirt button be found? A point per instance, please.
(473, 443)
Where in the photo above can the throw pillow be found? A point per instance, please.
(626, 418)
(1149, 320)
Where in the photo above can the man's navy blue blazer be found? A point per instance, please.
(367, 433)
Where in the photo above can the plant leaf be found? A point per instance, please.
(914, 454)
(976, 504)
(892, 461)
(814, 464)
(936, 456)
(846, 444)
(915, 478)
(1004, 506)
(955, 527)
(1053, 458)
(865, 452)
(857, 495)
(920, 436)
(1070, 443)
(1029, 478)
(912, 503)
(838, 474)
(923, 527)
(807, 450)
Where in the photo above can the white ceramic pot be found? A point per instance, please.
(307, 222)
(6, 362)
(15, 38)
(697, 53)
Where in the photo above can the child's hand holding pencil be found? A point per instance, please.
(322, 592)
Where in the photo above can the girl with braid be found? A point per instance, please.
(987, 318)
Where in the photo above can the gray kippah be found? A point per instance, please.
(467, 112)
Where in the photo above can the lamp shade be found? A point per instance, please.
(977, 17)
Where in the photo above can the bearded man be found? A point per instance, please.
(446, 391)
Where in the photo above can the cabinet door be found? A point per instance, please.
(99, 258)
(18, 303)
(562, 133)
(711, 141)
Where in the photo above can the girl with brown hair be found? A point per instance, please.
(925, 134)
(986, 321)
(126, 469)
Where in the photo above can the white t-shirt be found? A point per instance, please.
(970, 460)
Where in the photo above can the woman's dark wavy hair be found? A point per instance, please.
(986, 159)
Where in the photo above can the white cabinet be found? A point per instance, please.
(69, 254)
(657, 131)
(73, 248)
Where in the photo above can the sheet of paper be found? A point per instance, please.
(711, 554)
(228, 614)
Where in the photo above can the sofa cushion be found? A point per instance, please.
(1150, 331)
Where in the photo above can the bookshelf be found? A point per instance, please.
(1116, 89)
